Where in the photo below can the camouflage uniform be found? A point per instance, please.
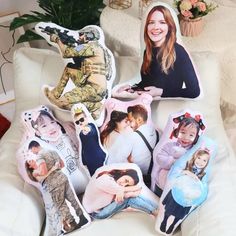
(58, 186)
(89, 76)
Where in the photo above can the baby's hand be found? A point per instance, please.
(178, 152)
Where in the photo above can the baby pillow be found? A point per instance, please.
(181, 133)
(41, 123)
(92, 152)
(166, 68)
(186, 187)
(41, 165)
(128, 133)
(89, 68)
(117, 187)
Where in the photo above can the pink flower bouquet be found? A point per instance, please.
(192, 9)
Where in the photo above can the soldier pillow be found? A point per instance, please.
(89, 71)
(42, 165)
(128, 133)
(40, 123)
(166, 68)
(117, 187)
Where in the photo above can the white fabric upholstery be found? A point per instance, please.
(21, 207)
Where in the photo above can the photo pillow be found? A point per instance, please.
(89, 68)
(181, 133)
(186, 187)
(128, 133)
(92, 152)
(41, 165)
(166, 68)
(41, 123)
(117, 187)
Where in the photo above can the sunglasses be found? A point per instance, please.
(80, 121)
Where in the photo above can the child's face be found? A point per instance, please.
(49, 129)
(201, 161)
(81, 121)
(187, 135)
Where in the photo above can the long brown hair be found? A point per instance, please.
(116, 117)
(190, 164)
(166, 55)
(118, 173)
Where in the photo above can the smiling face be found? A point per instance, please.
(157, 28)
(125, 180)
(201, 161)
(187, 135)
(48, 128)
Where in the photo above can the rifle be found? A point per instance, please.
(63, 35)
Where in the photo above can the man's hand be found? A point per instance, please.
(54, 38)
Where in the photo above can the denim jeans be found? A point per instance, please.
(139, 203)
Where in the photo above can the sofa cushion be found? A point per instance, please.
(34, 67)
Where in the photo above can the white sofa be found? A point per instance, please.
(21, 207)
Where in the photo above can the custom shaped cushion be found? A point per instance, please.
(181, 133)
(43, 166)
(41, 123)
(129, 125)
(187, 185)
(166, 68)
(92, 153)
(35, 67)
(117, 187)
(89, 71)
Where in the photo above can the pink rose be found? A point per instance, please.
(201, 6)
(187, 13)
(193, 2)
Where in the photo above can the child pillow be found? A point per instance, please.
(42, 166)
(186, 187)
(117, 187)
(166, 68)
(41, 123)
(89, 71)
(181, 133)
(128, 133)
(92, 152)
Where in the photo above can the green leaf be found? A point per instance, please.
(29, 35)
(23, 20)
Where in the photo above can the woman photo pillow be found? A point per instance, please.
(89, 71)
(128, 133)
(40, 123)
(41, 165)
(166, 69)
(92, 153)
(117, 187)
(181, 133)
(186, 187)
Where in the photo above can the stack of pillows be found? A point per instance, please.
(111, 157)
